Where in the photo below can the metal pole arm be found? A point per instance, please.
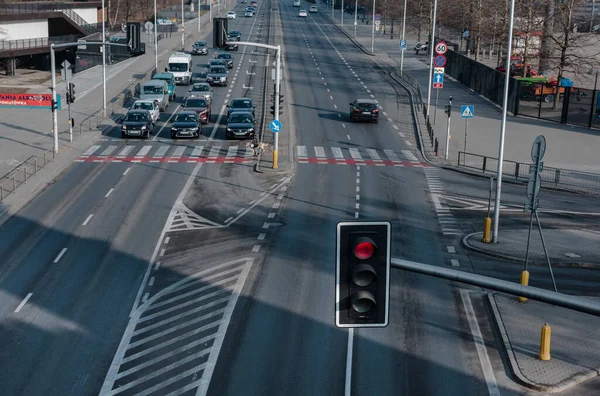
(65, 45)
(273, 47)
(562, 300)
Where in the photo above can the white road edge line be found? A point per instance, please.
(484, 359)
(87, 220)
(126, 171)
(109, 192)
(62, 252)
(23, 303)
(349, 351)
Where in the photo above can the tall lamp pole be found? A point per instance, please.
(182, 27)
(430, 48)
(103, 61)
(503, 125)
(373, 29)
(403, 39)
(155, 38)
(199, 14)
(355, 16)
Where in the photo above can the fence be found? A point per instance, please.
(20, 174)
(518, 171)
(11, 45)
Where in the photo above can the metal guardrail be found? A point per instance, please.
(517, 171)
(22, 172)
(11, 45)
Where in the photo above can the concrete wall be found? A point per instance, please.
(24, 30)
(90, 15)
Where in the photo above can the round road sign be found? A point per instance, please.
(149, 26)
(441, 48)
(378, 17)
(439, 61)
(538, 148)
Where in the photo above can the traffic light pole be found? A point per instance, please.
(277, 90)
(449, 112)
(53, 73)
(69, 110)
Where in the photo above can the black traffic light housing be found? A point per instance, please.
(449, 107)
(363, 263)
(70, 93)
(220, 32)
(272, 111)
(133, 37)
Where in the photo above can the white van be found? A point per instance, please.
(180, 64)
(296, 3)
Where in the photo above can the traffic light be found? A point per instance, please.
(449, 107)
(70, 93)
(133, 36)
(54, 105)
(280, 106)
(220, 32)
(362, 275)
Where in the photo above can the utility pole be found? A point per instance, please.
(430, 49)
(103, 62)
(373, 29)
(199, 15)
(182, 27)
(276, 109)
(155, 38)
(403, 39)
(355, 16)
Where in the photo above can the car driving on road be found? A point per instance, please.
(243, 105)
(234, 35)
(240, 125)
(364, 110)
(150, 105)
(186, 124)
(312, 9)
(203, 90)
(200, 106)
(200, 48)
(217, 75)
(231, 15)
(249, 12)
(137, 123)
(228, 58)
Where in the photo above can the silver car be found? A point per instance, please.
(203, 90)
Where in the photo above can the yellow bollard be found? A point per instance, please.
(524, 282)
(545, 343)
(487, 230)
(274, 159)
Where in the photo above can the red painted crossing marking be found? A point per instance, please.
(335, 161)
(174, 160)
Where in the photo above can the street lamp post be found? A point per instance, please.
(403, 39)
(199, 14)
(430, 48)
(503, 125)
(103, 62)
(182, 26)
(373, 29)
(155, 38)
(355, 16)
(342, 12)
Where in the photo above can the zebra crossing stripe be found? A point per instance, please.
(391, 155)
(197, 151)
(90, 151)
(302, 152)
(409, 155)
(337, 152)
(125, 151)
(355, 154)
(320, 152)
(373, 154)
(144, 151)
(108, 150)
(162, 150)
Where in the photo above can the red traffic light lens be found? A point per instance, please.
(364, 248)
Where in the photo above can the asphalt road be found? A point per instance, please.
(74, 258)
(286, 342)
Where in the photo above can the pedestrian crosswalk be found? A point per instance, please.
(172, 153)
(356, 156)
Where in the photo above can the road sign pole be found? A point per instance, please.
(68, 79)
(437, 94)
(403, 38)
(466, 130)
(103, 59)
(431, 51)
(503, 126)
(372, 28)
(276, 108)
(448, 130)
(355, 16)
(342, 12)
(54, 111)
(155, 39)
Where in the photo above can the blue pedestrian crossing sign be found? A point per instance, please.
(467, 111)
(438, 78)
(402, 44)
(275, 126)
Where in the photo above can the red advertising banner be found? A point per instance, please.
(28, 100)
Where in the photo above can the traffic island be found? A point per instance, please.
(574, 346)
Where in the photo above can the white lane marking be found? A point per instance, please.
(409, 155)
(62, 252)
(166, 123)
(348, 382)
(391, 154)
(373, 154)
(272, 215)
(401, 134)
(328, 90)
(162, 252)
(395, 127)
(90, 151)
(261, 236)
(157, 266)
(167, 239)
(408, 143)
(320, 152)
(343, 125)
(335, 106)
(384, 114)
(23, 303)
(87, 220)
(348, 136)
(126, 171)
(339, 115)
(109, 192)
(217, 123)
(337, 153)
(255, 248)
(229, 219)
(355, 154)
(144, 151)
(454, 263)
(330, 97)
(265, 225)
(151, 281)
(484, 359)
(451, 249)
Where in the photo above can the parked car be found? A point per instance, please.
(240, 125)
(137, 123)
(150, 105)
(186, 124)
(364, 110)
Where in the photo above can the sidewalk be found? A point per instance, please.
(568, 147)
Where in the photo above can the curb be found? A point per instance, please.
(465, 242)
(514, 365)
(341, 29)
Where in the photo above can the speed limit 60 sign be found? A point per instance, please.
(441, 48)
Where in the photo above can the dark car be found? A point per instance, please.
(218, 62)
(186, 124)
(200, 106)
(200, 48)
(243, 105)
(137, 123)
(232, 47)
(235, 35)
(227, 58)
(364, 110)
(240, 125)
(253, 4)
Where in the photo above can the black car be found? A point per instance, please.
(364, 110)
(240, 125)
(200, 48)
(241, 105)
(234, 35)
(186, 124)
(231, 47)
(227, 58)
(137, 123)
